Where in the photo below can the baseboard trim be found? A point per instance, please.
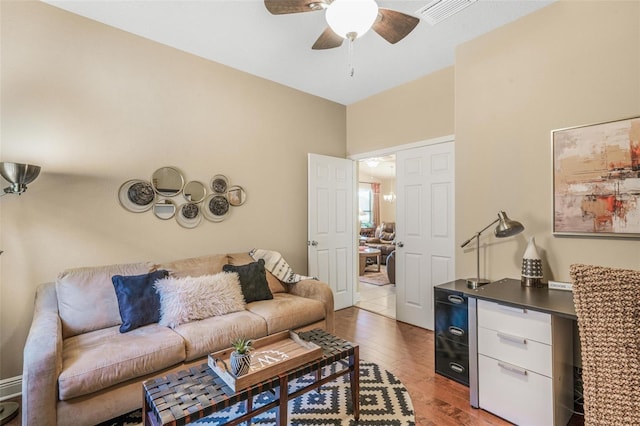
(10, 388)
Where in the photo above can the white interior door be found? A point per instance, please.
(425, 244)
(331, 238)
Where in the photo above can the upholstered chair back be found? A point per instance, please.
(386, 231)
(607, 302)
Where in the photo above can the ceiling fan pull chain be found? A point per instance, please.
(351, 68)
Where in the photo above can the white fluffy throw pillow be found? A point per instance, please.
(193, 298)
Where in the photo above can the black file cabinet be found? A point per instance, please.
(452, 335)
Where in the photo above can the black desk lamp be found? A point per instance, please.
(506, 228)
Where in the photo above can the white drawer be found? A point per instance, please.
(516, 350)
(523, 398)
(533, 325)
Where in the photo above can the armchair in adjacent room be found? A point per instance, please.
(391, 267)
(383, 239)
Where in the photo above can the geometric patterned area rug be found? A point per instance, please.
(384, 401)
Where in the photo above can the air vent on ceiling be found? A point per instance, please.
(439, 10)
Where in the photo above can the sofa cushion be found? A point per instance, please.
(99, 359)
(193, 298)
(138, 300)
(275, 285)
(253, 280)
(195, 266)
(387, 236)
(213, 334)
(82, 290)
(287, 311)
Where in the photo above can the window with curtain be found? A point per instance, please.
(369, 204)
(375, 203)
(365, 205)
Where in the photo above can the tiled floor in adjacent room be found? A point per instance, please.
(378, 299)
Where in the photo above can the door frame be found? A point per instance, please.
(381, 153)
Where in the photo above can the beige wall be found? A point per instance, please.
(95, 106)
(416, 111)
(569, 64)
(387, 208)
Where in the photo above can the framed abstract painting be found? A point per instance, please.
(596, 179)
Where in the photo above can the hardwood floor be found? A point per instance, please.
(407, 351)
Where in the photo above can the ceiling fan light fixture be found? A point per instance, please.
(317, 6)
(346, 17)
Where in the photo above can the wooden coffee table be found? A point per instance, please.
(192, 394)
(367, 253)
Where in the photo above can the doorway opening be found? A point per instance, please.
(377, 219)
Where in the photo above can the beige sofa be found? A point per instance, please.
(79, 369)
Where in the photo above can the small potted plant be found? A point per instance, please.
(241, 356)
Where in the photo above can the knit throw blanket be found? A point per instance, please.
(275, 263)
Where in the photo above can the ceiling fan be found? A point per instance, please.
(349, 19)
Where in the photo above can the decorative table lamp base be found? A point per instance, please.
(531, 266)
(531, 282)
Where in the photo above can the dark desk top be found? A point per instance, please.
(509, 291)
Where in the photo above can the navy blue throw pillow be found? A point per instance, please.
(138, 301)
(253, 280)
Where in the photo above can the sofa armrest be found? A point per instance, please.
(42, 360)
(317, 290)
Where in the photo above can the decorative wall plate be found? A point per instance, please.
(189, 215)
(216, 207)
(219, 184)
(167, 181)
(194, 191)
(164, 209)
(214, 204)
(236, 195)
(136, 195)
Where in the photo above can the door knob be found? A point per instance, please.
(400, 244)
(312, 243)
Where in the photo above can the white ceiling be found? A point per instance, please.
(242, 34)
(377, 168)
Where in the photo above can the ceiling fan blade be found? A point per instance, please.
(393, 26)
(283, 7)
(328, 40)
